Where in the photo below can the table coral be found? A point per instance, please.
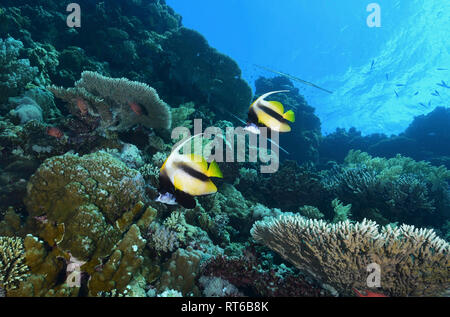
(413, 262)
(118, 103)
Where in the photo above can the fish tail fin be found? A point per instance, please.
(214, 170)
(290, 116)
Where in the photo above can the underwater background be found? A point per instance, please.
(359, 206)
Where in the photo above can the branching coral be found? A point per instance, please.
(399, 189)
(118, 104)
(413, 262)
(12, 262)
(162, 239)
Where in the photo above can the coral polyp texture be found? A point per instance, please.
(413, 262)
(83, 200)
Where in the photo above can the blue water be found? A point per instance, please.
(329, 43)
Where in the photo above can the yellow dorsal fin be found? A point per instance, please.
(214, 170)
(199, 161)
(290, 116)
(276, 106)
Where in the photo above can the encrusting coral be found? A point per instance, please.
(84, 201)
(413, 262)
(180, 272)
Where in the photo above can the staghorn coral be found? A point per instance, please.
(13, 268)
(47, 267)
(90, 197)
(116, 104)
(414, 262)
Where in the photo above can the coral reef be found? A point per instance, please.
(251, 278)
(392, 190)
(426, 138)
(84, 131)
(86, 196)
(180, 272)
(118, 104)
(414, 262)
(15, 73)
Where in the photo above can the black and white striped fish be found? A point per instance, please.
(269, 114)
(184, 176)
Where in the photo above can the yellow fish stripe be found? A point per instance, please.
(272, 123)
(275, 106)
(193, 186)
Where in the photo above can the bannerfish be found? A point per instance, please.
(368, 294)
(184, 176)
(269, 114)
